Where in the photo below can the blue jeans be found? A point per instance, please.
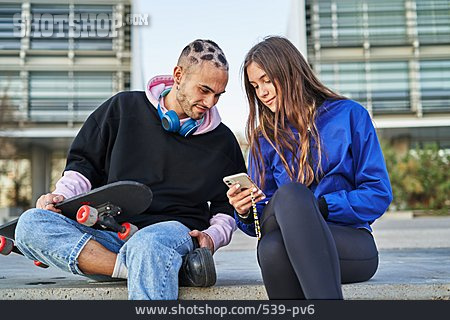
(153, 255)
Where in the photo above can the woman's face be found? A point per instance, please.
(264, 88)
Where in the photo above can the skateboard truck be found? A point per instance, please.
(104, 215)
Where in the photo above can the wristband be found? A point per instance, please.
(245, 215)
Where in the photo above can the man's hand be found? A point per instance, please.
(47, 202)
(204, 240)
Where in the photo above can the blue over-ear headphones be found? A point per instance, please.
(170, 121)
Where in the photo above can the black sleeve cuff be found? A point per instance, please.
(247, 220)
(323, 207)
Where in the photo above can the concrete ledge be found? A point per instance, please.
(247, 292)
(403, 274)
(414, 260)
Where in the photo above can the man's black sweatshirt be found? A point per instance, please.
(123, 140)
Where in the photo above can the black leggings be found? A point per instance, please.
(302, 257)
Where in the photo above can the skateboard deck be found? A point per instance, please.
(8, 229)
(106, 207)
(131, 197)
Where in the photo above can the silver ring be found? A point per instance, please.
(46, 203)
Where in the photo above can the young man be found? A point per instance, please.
(169, 137)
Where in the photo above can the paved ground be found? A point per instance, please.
(414, 264)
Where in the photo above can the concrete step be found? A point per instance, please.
(403, 274)
(118, 291)
(414, 264)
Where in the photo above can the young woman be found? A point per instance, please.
(316, 157)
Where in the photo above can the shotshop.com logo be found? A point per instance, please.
(80, 25)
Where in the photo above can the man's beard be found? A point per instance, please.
(186, 105)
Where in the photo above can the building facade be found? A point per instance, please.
(59, 60)
(393, 56)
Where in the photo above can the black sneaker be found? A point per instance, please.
(198, 269)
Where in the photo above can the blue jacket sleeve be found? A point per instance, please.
(248, 228)
(372, 194)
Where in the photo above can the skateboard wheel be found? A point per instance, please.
(40, 264)
(87, 215)
(130, 229)
(6, 246)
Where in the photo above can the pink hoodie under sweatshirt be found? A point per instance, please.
(158, 84)
(222, 226)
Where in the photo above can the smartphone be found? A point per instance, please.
(243, 179)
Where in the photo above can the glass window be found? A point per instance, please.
(99, 36)
(433, 21)
(49, 91)
(340, 23)
(325, 24)
(347, 79)
(92, 27)
(8, 41)
(91, 89)
(351, 22)
(126, 81)
(389, 87)
(50, 27)
(386, 22)
(67, 96)
(435, 85)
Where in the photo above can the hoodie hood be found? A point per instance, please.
(158, 84)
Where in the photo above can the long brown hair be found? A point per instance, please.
(299, 93)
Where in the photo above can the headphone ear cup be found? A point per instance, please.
(188, 128)
(170, 121)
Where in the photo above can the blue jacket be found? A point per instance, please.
(355, 182)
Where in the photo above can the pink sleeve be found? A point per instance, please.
(71, 184)
(221, 229)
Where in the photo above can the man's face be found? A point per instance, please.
(200, 89)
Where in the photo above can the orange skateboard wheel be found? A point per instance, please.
(40, 264)
(130, 229)
(6, 246)
(87, 215)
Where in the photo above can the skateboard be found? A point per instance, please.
(107, 207)
(7, 241)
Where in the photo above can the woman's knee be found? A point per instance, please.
(294, 201)
(294, 191)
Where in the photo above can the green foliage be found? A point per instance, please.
(420, 179)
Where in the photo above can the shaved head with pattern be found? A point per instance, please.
(199, 51)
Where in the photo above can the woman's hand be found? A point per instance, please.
(241, 200)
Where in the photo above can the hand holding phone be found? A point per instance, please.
(243, 180)
(240, 198)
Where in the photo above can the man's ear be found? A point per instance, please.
(177, 74)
